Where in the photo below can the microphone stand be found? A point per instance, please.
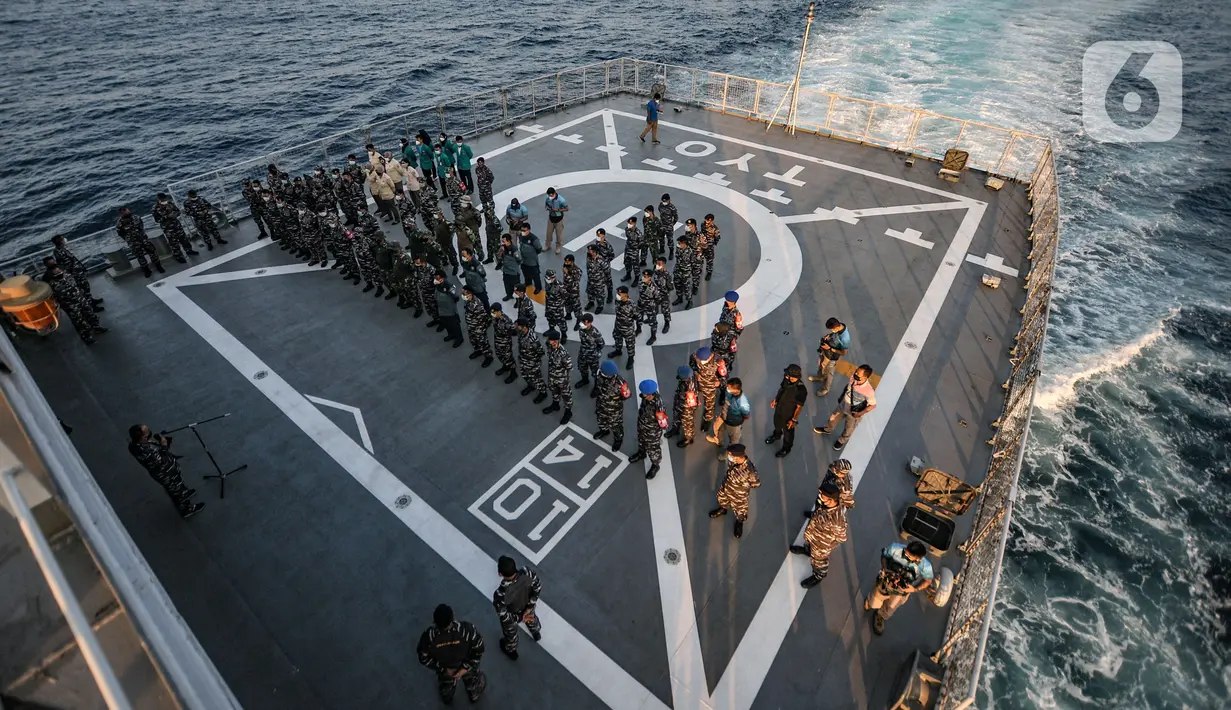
(220, 475)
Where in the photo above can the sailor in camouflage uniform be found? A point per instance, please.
(251, 190)
(605, 250)
(308, 224)
(132, 231)
(684, 407)
(74, 302)
(454, 190)
(839, 474)
(503, 332)
(452, 650)
(366, 228)
(286, 223)
(826, 530)
(654, 233)
(530, 360)
(598, 278)
(352, 266)
(475, 276)
(669, 216)
(711, 374)
(710, 234)
(651, 420)
(382, 256)
(525, 306)
(75, 268)
(559, 370)
(485, 178)
(572, 290)
(491, 229)
(736, 488)
(425, 275)
(625, 331)
(648, 299)
(514, 600)
(634, 250)
(442, 233)
(554, 305)
(402, 278)
(468, 228)
(202, 214)
(351, 197)
(685, 267)
(314, 239)
(167, 215)
(591, 352)
(153, 452)
(662, 281)
(478, 318)
(333, 236)
(721, 342)
(609, 404)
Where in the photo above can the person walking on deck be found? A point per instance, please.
(857, 401)
(556, 207)
(736, 488)
(452, 650)
(651, 119)
(515, 600)
(826, 529)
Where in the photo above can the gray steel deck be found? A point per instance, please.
(308, 591)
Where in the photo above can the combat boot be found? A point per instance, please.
(637, 456)
(739, 528)
(673, 431)
(628, 365)
(682, 443)
(476, 355)
(220, 240)
(585, 380)
(432, 323)
(314, 262)
(601, 433)
(810, 581)
(688, 304)
(718, 512)
(614, 353)
(146, 270)
(589, 305)
(380, 291)
(653, 338)
(418, 312)
(553, 407)
(539, 399)
(188, 513)
(503, 369)
(568, 416)
(666, 327)
(799, 550)
(678, 300)
(512, 376)
(160, 269)
(355, 279)
(181, 260)
(369, 287)
(652, 472)
(594, 391)
(616, 444)
(527, 390)
(193, 252)
(487, 361)
(504, 649)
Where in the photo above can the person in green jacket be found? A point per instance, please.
(427, 158)
(444, 161)
(464, 156)
(410, 153)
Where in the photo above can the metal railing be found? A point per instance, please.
(66, 599)
(180, 660)
(974, 598)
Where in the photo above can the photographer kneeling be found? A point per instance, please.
(904, 571)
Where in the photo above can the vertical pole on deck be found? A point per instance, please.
(792, 94)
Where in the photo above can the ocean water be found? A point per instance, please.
(1116, 590)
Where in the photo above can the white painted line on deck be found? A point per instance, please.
(604, 677)
(181, 276)
(788, 177)
(613, 225)
(354, 411)
(661, 163)
(841, 214)
(750, 664)
(263, 271)
(540, 135)
(808, 158)
(716, 178)
(574, 138)
(910, 236)
(686, 667)
(612, 148)
(536, 128)
(993, 262)
(772, 194)
(741, 162)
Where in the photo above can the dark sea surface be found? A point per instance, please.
(1117, 585)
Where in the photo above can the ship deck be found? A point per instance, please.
(386, 471)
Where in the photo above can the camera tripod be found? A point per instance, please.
(220, 475)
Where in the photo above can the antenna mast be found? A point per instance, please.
(792, 93)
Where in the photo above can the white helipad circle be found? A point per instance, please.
(774, 279)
